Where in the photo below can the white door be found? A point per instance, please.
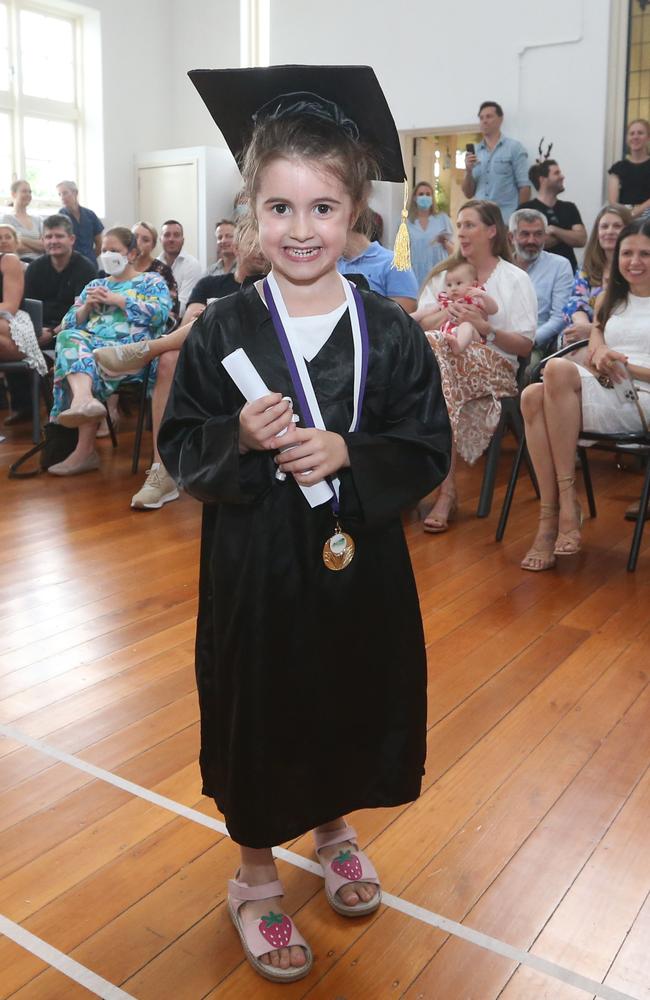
(170, 191)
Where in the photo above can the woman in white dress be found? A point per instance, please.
(573, 397)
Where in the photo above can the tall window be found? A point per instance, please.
(638, 73)
(40, 100)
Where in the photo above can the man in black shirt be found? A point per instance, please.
(248, 268)
(565, 229)
(56, 278)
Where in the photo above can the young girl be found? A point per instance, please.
(461, 287)
(311, 682)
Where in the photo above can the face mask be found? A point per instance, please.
(113, 262)
(241, 210)
(424, 201)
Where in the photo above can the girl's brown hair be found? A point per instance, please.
(594, 260)
(305, 138)
(490, 215)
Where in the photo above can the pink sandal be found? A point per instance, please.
(346, 868)
(268, 933)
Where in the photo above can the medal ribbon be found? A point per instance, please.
(296, 364)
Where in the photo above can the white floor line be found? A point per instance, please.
(59, 960)
(475, 937)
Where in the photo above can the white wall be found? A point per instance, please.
(435, 65)
(437, 60)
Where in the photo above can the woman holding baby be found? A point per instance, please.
(482, 368)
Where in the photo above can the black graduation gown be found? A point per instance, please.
(312, 683)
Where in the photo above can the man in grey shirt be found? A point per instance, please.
(498, 169)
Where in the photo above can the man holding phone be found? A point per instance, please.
(497, 170)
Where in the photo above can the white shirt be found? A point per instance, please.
(313, 332)
(187, 271)
(513, 292)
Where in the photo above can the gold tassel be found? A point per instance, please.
(402, 249)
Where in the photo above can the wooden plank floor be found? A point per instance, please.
(532, 825)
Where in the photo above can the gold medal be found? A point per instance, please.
(338, 551)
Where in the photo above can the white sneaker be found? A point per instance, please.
(159, 488)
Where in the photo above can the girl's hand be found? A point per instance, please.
(604, 361)
(313, 454)
(260, 423)
(464, 313)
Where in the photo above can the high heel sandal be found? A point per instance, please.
(567, 543)
(545, 557)
(436, 525)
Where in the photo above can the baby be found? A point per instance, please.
(462, 288)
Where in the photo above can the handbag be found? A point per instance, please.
(56, 444)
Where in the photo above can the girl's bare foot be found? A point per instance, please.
(359, 892)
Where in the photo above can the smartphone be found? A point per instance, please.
(625, 389)
(469, 147)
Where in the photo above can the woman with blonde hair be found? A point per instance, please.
(146, 237)
(473, 382)
(430, 232)
(29, 228)
(628, 182)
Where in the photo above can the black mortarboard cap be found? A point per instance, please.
(348, 95)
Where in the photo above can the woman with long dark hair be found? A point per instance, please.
(573, 397)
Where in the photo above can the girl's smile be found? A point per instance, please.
(304, 216)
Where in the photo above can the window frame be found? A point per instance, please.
(20, 106)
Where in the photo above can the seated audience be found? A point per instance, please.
(87, 227)
(628, 183)
(185, 268)
(375, 262)
(591, 279)
(550, 274)
(125, 306)
(121, 359)
(56, 278)
(146, 237)
(574, 397)
(474, 381)
(565, 229)
(224, 235)
(17, 338)
(248, 268)
(498, 170)
(430, 232)
(28, 227)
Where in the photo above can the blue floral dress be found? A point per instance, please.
(583, 297)
(148, 304)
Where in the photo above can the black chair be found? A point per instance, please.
(510, 420)
(637, 445)
(39, 385)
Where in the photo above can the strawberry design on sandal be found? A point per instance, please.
(276, 928)
(347, 865)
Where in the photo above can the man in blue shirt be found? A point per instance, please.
(550, 274)
(87, 227)
(375, 263)
(498, 169)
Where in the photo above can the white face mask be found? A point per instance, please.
(113, 262)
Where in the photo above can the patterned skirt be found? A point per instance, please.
(473, 383)
(22, 333)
